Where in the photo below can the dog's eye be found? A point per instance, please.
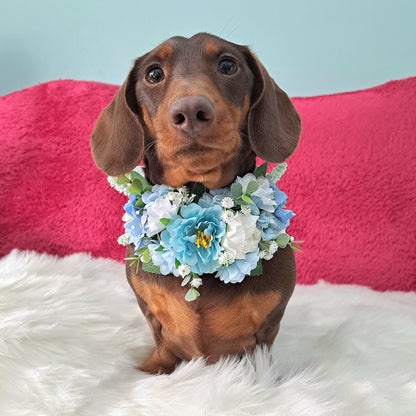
(155, 75)
(227, 66)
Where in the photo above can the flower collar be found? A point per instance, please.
(226, 231)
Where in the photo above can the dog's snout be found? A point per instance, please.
(191, 115)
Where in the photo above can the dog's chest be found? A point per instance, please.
(200, 323)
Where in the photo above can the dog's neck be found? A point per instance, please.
(243, 162)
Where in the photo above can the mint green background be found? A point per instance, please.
(309, 47)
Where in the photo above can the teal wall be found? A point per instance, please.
(309, 47)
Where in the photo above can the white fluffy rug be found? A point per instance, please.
(71, 335)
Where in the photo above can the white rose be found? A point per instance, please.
(162, 207)
(242, 235)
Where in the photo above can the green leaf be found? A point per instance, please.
(186, 280)
(246, 198)
(282, 240)
(276, 173)
(260, 170)
(252, 187)
(240, 201)
(177, 263)
(136, 187)
(296, 248)
(236, 190)
(150, 267)
(145, 257)
(198, 190)
(165, 221)
(135, 175)
(140, 251)
(191, 294)
(122, 180)
(160, 248)
(258, 270)
(139, 202)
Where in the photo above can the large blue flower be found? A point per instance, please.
(195, 235)
(236, 271)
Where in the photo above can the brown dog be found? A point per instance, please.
(200, 110)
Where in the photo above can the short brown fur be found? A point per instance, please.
(251, 116)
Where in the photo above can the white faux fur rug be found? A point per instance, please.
(71, 335)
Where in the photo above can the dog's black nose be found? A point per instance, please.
(191, 115)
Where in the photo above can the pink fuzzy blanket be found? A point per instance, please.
(351, 181)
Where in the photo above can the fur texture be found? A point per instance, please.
(68, 346)
(351, 181)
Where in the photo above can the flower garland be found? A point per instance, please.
(227, 231)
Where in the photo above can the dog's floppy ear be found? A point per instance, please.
(273, 123)
(117, 139)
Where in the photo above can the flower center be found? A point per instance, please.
(202, 239)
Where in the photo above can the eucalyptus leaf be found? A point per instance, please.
(282, 240)
(177, 263)
(136, 187)
(150, 267)
(260, 170)
(122, 180)
(258, 270)
(191, 294)
(252, 187)
(186, 280)
(160, 248)
(135, 175)
(236, 190)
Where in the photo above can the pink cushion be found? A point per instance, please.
(351, 181)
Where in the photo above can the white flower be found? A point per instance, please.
(226, 258)
(242, 235)
(245, 180)
(123, 240)
(245, 209)
(264, 191)
(227, 215)
(126, 217)
(172, 195)
(262, 254)
(184, 270)
(268, 256)
(123, 189)
(266, 194)
(196, 282)
(273, 247)
(227, 202)
(162, 207)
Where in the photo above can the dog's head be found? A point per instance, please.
(197, 110)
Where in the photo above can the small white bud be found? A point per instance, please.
(184, 270)
(227, 202)
(196, 282)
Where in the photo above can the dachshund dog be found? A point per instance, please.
(199, 110)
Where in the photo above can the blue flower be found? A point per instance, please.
(135, 229)
(281, 216)
(263, 225)
(156, 192)
(195, 236)
(236, 271)
(130, 208)
(164, 259)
